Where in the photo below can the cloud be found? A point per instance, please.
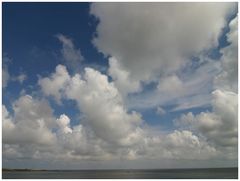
(122, 78)
(184, 144)
(220, 125)
(228, 78)
(192, 88)
(31, 123)
(156, 45)
(170, 84)
(71, 55)
(63, 123)
(52, 86)
(20, 78)
(5, 77)
(160, 111)
(157, 38)
(130, 139)
(94, 92)
(5, 74)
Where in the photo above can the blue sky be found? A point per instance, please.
(161, 78)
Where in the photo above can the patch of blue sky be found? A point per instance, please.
(166, 120)
(214, 53)
(67, 107)
(31, 41)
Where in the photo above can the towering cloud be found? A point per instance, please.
(93, 91)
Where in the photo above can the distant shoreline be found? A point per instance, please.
(191, 173)
(21, 170)
(32, 170)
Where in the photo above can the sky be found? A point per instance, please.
(119, 85)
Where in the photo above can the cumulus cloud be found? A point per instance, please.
(31, 123)
(184, 144)
(52, 86)
(93, 91)
(219, 126)
(70, 53)
(157, 38)
(63, 122)
(122, 78)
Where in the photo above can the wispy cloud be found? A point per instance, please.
(70, 53)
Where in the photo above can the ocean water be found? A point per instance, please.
(213, 173)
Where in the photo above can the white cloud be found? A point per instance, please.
(71, 55)
(157, 38)
(7, 123)
(184, 144)
(63, 122)
(218, 126)
(122, 78)
(31, 123)
(53, 85)
(95, 92)
(221, 125)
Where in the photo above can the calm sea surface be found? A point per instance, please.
(217, 173)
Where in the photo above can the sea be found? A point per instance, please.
(209, 173)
